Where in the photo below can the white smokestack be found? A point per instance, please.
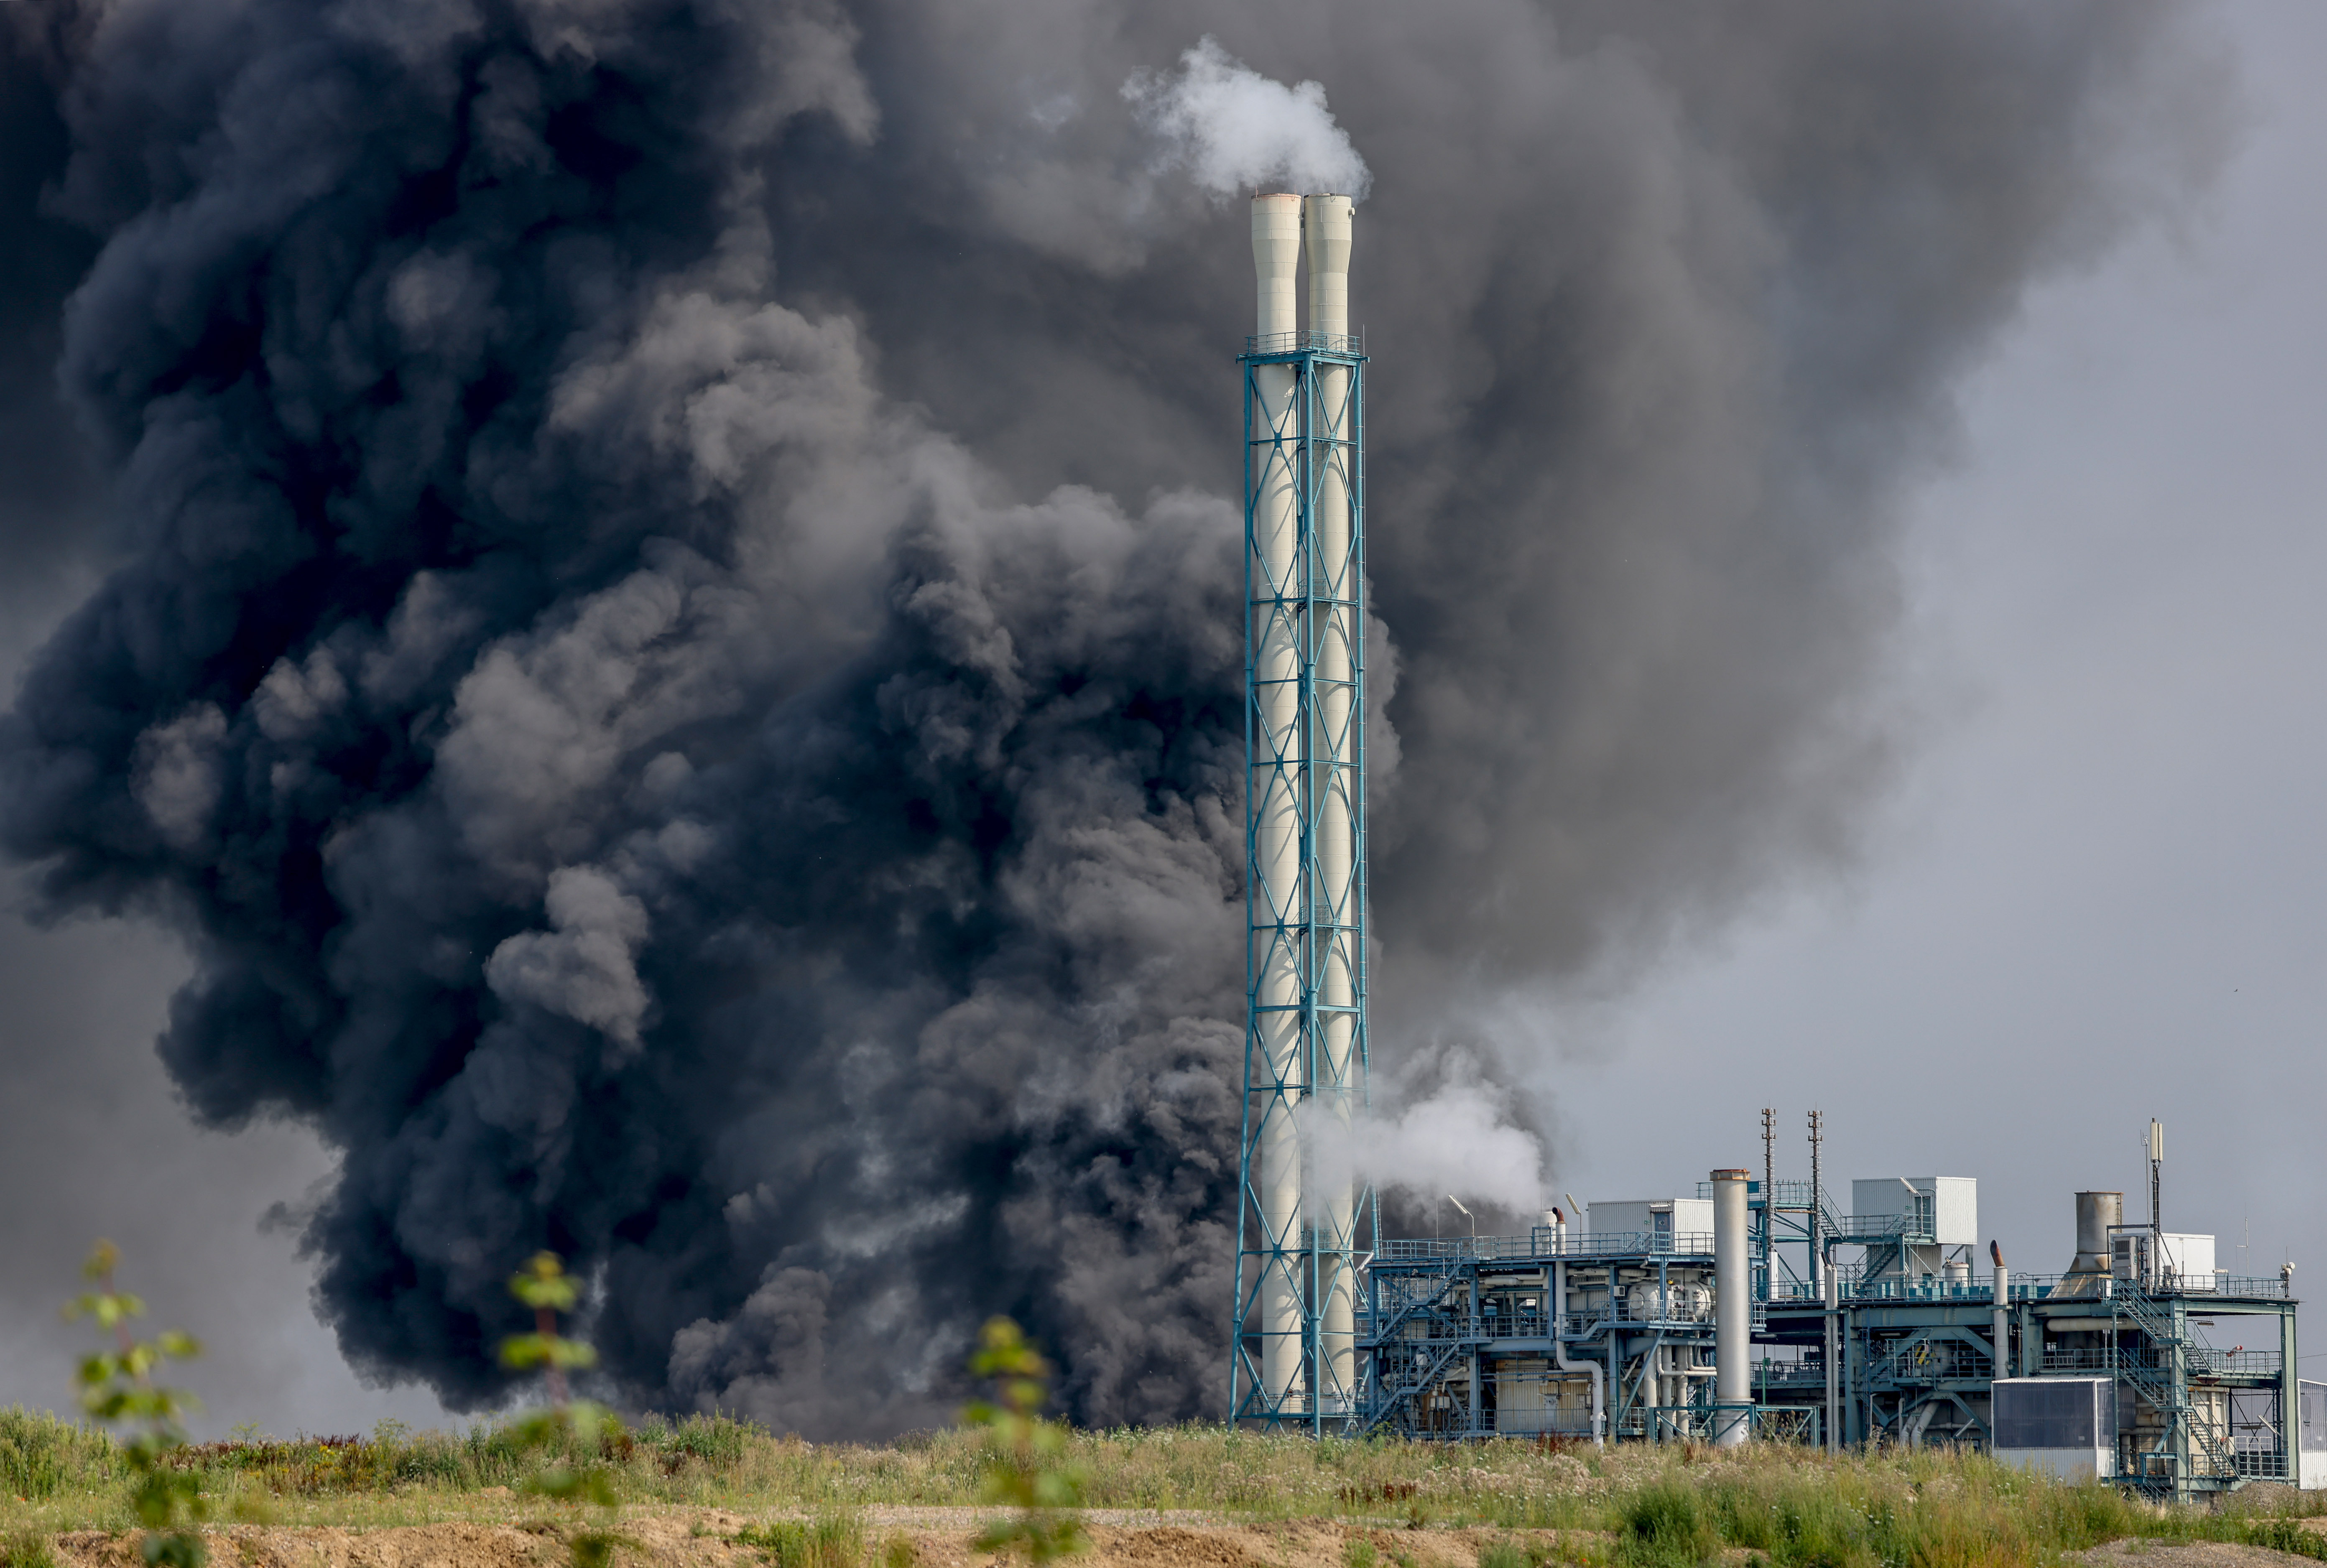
(1733, 1308)
(1274, 790)
(1325, 223)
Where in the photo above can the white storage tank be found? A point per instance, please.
(1683, 1302)
(2063, 1427)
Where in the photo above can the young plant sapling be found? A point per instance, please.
(118, 1388)
(1023, 1464)
(574, 1432)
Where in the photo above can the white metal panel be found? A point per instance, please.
(2311, 1424)
(1878, 1195)
(1692, 1215)
(2070, 1464)
(1626, 1216)
(1955, 1210)
(2192, 1258)
(1954, 1203)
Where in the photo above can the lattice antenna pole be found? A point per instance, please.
(1769, 1195)
(1817, 1203)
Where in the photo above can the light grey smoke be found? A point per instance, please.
(1459, 1138)
(677, 661)
(1233, 129)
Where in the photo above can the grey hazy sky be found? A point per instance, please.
(2096, 898)
(2102, 895)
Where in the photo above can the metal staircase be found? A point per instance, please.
(2163, 1381)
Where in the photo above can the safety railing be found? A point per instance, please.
(1789, 1374)
(1548, 1244)
(2203, 1360)
(2207, 1361)
(1299, 342)
(1931, 1361)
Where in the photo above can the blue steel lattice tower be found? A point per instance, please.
(1293, 1361)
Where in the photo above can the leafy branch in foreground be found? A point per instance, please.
(118, 1388)
(1022, 1464)
(576, 1429)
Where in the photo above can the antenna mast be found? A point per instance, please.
(1817, 1203)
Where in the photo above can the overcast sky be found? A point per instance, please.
(2098, 897)
(2102, 895)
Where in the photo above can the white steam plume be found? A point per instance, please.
(1457, 1141)
(1233, 128)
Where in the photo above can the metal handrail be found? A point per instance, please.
(1546, 1243)
(1296, 342)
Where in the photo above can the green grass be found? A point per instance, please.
(40, 1456)
(1628, 1507)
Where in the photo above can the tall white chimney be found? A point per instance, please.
(1340, 597)
(1732, 1309)
(1273, 792)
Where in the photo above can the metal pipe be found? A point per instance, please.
(1273, 788)
(1833, 1369)
(1732, 1309)
(2003, 1329)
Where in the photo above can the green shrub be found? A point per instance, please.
(2287, 1536)
(40, 1456)
(1504, 1554)
(717, 1441)
(29, 1549)
(830, 1541)
(1665, 1522)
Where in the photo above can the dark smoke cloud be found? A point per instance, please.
(677, 662)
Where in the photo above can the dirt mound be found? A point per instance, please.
(453, 1545)
(2180, 1554)
(706, 1538)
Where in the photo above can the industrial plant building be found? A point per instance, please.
(1743, 1308)
(2140, 1362)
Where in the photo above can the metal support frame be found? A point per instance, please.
(1308, 928)
(1437, 1355)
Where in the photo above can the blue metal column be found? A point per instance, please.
(1314, 928)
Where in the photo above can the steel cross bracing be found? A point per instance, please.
(1464, 1340)
(1916, 1360)
(1305, 1045)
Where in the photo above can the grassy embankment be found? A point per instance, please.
(1626, 1505)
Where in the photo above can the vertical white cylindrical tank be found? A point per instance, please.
(1831, 1290)
(1273, 787)
(1326, 225)
(1733, 1308)
(2003, 1323)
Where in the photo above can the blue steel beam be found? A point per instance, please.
(1312, 927)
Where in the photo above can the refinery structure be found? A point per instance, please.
(1749, 1308)
(1755, 1307)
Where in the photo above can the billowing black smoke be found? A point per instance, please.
(677, 658)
